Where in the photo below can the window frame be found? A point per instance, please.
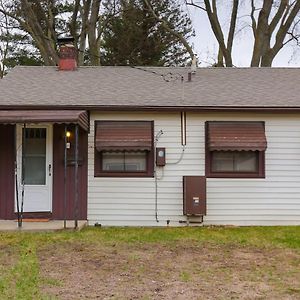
(98, 166)
(260, 173)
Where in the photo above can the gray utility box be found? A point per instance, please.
(194, 195)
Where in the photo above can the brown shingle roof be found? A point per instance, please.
(130, 87)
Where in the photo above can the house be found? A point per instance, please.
(139, 146)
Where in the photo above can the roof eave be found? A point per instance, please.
(155, 108)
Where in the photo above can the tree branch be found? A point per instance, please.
(261, 34)
(283, 5)
(253, 21)
(191, 3)
(73, 23)
(282, 31)
(216, 27)
(170, 30)
(235, 6)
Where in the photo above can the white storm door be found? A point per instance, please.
(35, 152)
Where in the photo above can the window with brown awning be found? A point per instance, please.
(79, 117)
(123, 136)
(124, 149)
(235, 149)
(236, 136)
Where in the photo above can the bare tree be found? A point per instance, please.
(274, 24)
(87, 13)
(225, 48)
(280, 26)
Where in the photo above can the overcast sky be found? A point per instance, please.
(206, 46)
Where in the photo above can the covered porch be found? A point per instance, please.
(43, 166)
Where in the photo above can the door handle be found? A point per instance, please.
(49, 169)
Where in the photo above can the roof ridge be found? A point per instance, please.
(162, 67)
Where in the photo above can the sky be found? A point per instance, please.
(206, 47)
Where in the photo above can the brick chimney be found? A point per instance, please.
(67, 54)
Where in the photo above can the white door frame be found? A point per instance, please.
(49, 162)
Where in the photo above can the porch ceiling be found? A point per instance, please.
(79, 117)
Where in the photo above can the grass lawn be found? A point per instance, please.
(152, 263)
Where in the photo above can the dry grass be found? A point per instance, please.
(131, 263)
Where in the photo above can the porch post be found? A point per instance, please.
(16, 176)
(65, 178)
(76, 176)
(23, 173)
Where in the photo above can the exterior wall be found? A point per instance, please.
(274, 200)
(7, 171)
(58, 175)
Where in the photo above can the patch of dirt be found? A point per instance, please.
(8, 257)
(172, 271)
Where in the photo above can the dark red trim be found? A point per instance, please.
(35, 215)
(58, 174)
(123, 174)
(98, 171)
(259, 174)
(45, 116)
(269, 109)
(7, 171)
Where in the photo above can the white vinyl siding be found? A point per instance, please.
(274, 200)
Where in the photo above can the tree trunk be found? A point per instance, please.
(216, 27)
(94, 46)
(44, 43)
(261, 33)
(220, 62)
(267, 59)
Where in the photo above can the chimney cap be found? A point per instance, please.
(65, 40)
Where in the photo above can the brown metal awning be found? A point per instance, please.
(236, 136)
(79, 117)
(123, 135)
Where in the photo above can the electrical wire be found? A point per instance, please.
(167, 77)
(179, 159)
(157, 137)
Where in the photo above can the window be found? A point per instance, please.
(124, 148)
(124, 161)
(235, 149)
(234, 161)
(34, 155)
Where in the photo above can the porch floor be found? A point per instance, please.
(52, 225)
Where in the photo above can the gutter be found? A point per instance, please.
(280, 109)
